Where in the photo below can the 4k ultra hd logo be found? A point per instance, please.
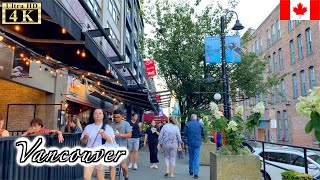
(21, 13)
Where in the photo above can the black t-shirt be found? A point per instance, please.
(152, 137)
(135, 129)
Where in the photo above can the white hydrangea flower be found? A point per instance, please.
(259, 108)
(200, 121)
(214, 107)
(233, 126)
(218, 114)
(239, 110)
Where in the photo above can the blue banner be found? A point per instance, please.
(233, 49)
(212, 49)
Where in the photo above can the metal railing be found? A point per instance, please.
(9, 169)
(304, 150)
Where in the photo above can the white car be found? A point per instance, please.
(280, 159)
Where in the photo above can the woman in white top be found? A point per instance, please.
(93, 136)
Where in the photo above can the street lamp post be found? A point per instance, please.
(225, 81)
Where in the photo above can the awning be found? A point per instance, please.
(152, 116)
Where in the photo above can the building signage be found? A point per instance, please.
(213, 49)
(20, 65)
(21, 13)
(150, 68)
(113, 72)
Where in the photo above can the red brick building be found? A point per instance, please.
(290, 47)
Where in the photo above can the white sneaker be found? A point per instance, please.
(135, 166)
(152, 166)
(155, 166)
(130, 166)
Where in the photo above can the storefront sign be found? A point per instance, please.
(5, 61)
(113, 72)
(21, 13)
(150, 68)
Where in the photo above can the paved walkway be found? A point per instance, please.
(146, 173)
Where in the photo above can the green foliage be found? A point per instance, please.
(293, 175)
(229, 150)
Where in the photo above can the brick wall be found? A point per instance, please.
(296, 123)
(20, 116)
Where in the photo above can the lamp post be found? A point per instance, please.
(225, 81)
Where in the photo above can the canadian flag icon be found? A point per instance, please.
(299, 9)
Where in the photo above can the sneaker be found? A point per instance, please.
(191, 173)
(152, 166)
(130, 166)
(156, 166)
(135, 166)
(196, 176)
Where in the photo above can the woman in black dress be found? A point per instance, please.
(152, 135)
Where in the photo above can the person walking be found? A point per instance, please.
(123, 131)
(93, 135)
(152, 135)
(194, 131)
(133, 142)
(170, 141)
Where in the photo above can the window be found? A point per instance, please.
(278, 29)
(273, 34)
(293, 58)
(295, 86)
(257, 47)
(290, 25)
(252, 48)
(286, 127)
(260, 40)
(298, 22)
(275, 63)
(300, 46)
(272, 95)
(268, 39)
(303, 83)
(128, 35)
(279, 157)
(280, 134)
(277, 93)
(114, 12)
(280, 59)
(312, 78)
(127, 59)
(270, 64)
(308, 37)
(283, 91)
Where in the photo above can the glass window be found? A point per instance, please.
(295, 86)
(275, 63)
(279, 157)
(298, 22)
(268, 39)
(270, 64)
(260, 40)
(252, 48)
(283, 91)
(272, 95)
(127, 59)
(277, 93)
(293, 58)
(257, 48)
(273, 34)
(303, 83)
(286, 126)
(297, 160)
(308, 37)
(128, 35)
(300, 46)
(290, 25)
(279, 124)
(280, 59)
(312, 78)
(278, 29)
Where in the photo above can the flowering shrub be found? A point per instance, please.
(310, 107)
(207, 126)
(236, 129)
(144, 126)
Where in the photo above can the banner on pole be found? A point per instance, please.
(150, 68)
(233, 49)
(212, 49)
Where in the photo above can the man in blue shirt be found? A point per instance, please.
(194, 132)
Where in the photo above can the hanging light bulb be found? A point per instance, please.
(64, 30)
(38, 61)
(27, 63)
(61, 74)
(82, 76)
(117, 81)
(47, 57)
(13, 47)
(40, 68)
(114, 99)
(21, 55)
(83, 54)
(78, 52)
(10, 46)
(17, 27)
(103, 93)
(91, 85)
(51, 71)
(98, 83)
(107, 71)
(1, 37)
(24, 59)
(89, 73)
(121, 102)
(57, 70)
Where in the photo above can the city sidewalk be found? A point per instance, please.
(146, 173)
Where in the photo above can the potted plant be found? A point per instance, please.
(310, 107)
(232, 160)
(207, 145)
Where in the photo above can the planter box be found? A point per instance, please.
(234, 167)
(206, 148)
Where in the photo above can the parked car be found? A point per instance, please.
(280, 159)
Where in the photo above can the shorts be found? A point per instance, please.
(98, 167)
(133, 144)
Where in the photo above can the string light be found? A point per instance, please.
(121, 102)
(27, 63)
(13, 47)
(107, 71)
(17, 27)
(61, 74)
(89, 73)
(83, 54)
(21, 55)
(114, 99)
(98, 83)
(78, 86)
(1, 37)
(40, 68)
(38, 61)
(9, 46)
(78, 52)
(24, 59)
(63, 30)
(103, 93)
(91, 85)
(47, 57)
(117, 81)
(51, 71)
(57, 70)
(66, 105)
(82, 76)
